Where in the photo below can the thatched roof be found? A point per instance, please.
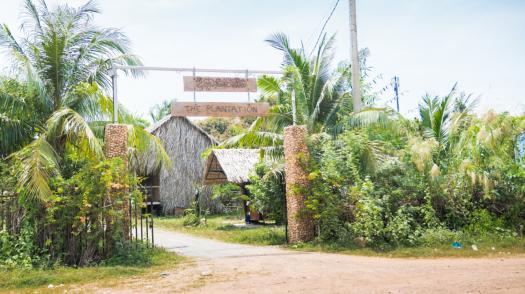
(154, 127)
(230, 165)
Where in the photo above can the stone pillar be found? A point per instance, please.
(116, 141)
(116, 145)
(300, 224)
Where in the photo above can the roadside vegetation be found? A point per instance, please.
(136, 263)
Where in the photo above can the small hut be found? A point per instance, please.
(233, 166)
(230, 166)
(175, 187)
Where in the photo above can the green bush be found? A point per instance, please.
(268, 193)
(19, 251)
(409, 189)
(191, 216)
(439, 236)
(80, 223)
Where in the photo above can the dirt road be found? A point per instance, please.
(230, 268)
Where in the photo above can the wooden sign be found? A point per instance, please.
(219, 109)
(219, 84)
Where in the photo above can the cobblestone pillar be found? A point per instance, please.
(300, 224)
(116, 145)
(116, 141)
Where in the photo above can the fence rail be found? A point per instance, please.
(141, 217)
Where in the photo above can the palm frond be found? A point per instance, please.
(371, 116)
(66, 124)
(39, 162)
(145, 151)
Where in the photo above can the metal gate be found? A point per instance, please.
(141, 218)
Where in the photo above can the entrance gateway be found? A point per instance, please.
(300, 226)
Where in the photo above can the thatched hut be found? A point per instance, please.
(230, 166)
(175, 186)
(233, 166)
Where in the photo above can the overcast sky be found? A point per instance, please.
(430, 45)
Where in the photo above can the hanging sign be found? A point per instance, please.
(219, 109)
(219, 84)
(520, 148)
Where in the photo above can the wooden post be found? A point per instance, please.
(300, 224)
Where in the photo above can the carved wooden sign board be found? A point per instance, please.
(219, 109)
(219, 84)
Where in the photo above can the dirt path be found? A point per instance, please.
(229, 268)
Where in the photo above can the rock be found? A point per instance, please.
(205, 274)
(50, 286)
(474, 247)
(164, 274)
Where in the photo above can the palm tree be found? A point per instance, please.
(160, 111)
(20, 116)
(322, 97)
(441, 115)
(66, 59)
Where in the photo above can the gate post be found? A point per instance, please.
(300, 223)
(116, 145)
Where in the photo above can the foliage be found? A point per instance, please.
(223, 128)
(80, 224)
(20, 115)
(268, 193)
(418, 187)
(191, 216)
(159, 111)
(229, 195)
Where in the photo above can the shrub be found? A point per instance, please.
(80, 223)
(368, 226)
(439, 236)
(268, 193)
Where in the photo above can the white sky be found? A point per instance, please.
(429, 44)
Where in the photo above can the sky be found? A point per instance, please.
(429, 45)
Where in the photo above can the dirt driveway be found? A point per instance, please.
(229, 268)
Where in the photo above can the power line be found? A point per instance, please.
(324, 26)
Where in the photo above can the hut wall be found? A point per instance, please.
(184, 144)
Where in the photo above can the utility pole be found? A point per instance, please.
(354, 53)
(396, 91)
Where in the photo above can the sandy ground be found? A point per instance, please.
(219, 267)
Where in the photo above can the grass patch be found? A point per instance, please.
(221, 227)
(29, 279)
(502, 248)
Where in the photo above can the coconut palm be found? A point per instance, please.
(160, 111)
(66, 60)
(20, 116)
(442, 115)
(322, 97)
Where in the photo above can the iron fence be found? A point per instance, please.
(141, 216)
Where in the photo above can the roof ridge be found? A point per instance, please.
(161, 122)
